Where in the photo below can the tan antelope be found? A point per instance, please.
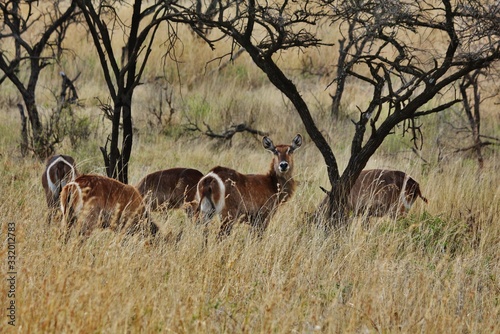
(169, 188)
(59, 170)
(94, 201)
(253, 197)
(378, 192)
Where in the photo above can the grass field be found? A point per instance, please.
(435, 271)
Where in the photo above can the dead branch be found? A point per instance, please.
(226, 134)
(232, 58)
(67, 84)
(105, 156)
(107, 110)
(475, 146)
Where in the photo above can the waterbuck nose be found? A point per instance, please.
(283, 166)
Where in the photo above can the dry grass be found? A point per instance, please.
(436, 271)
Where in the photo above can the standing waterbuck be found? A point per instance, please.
(252, 197)
(378, 192)
(94, 201)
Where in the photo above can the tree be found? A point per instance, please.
(408, 81)
(122, 72)
(470, 90)
(36, 32)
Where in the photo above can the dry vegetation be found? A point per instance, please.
(436, 271)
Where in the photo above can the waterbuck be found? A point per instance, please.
(251, 197)
(59, 170)
(380, 192)
(94, 201)
(169, 188)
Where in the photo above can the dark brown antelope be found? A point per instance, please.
(169, 188)
(94, 201)
(378, 192)
(252, 197)
(59, 170)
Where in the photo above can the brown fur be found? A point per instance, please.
(379, 192)
(59, 174)
(94, 201)
(170, 188)
(253, 197)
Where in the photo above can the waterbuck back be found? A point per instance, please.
(378, 192)
(169, 188)
(94, 201)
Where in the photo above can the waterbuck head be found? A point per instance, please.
(283, 154)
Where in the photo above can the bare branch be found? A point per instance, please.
(226, 134)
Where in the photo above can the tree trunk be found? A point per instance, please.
(340, 78)
(116, 161)
(114, 167)
(127, 140)
(24, 131)
(40, 142)
(472, 110)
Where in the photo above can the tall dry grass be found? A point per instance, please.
(435, 271)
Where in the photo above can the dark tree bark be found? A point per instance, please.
(472, 110)
(24, 131)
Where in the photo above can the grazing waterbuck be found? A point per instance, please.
(94, 201)
(380, 192)
(170, 188)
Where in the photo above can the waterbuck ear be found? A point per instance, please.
(268, 144)
(296, 142)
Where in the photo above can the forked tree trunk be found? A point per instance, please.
(116, 161)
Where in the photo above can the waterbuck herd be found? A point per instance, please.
(89, 201)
